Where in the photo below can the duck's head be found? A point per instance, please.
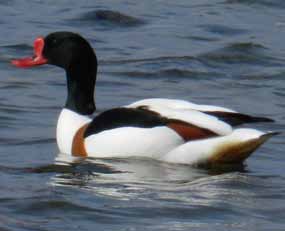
(74, 54)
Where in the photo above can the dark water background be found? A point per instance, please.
(222, 52)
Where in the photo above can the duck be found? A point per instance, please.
(169, 130)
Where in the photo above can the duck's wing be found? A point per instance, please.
(177, 104)
(141, 132)
(126, 131)
(189, 124)
(226, 115)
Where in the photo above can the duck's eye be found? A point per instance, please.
(54, 41)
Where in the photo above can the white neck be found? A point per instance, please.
(67, 125)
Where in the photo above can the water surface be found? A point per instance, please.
(221, 52)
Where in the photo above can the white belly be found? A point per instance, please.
(131, 141)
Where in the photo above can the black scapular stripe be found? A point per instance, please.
(236, 119)
(124, 117)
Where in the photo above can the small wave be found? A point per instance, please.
(265, 3)
(223, 30)
(246, 46)
(51, 205)
(21, 46)
(112, 83)
(112, 17)
(6, 3)
(172, 72)
(145, 60)
(14, 50)
(14, 108)
(237, 53)
(15, 142)
(17, 85)
(201, 38)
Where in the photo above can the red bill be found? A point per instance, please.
(37, 59)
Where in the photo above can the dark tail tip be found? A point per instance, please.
(235, 119)
(268, 135)
(275, 133)
(261, 119)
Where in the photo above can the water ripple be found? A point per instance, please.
(167, 73)
(109, 17)
(223, 30)
(145, 60)
(264, 3)
(241, 53)
(30, 141)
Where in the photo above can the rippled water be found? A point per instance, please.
(224, 52)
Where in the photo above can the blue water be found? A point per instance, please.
(221, 52)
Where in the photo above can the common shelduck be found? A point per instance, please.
(169, 130)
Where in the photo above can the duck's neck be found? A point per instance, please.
(81, 79)
(67, 125)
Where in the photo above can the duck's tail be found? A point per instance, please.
(229, 149)
(236, 119)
